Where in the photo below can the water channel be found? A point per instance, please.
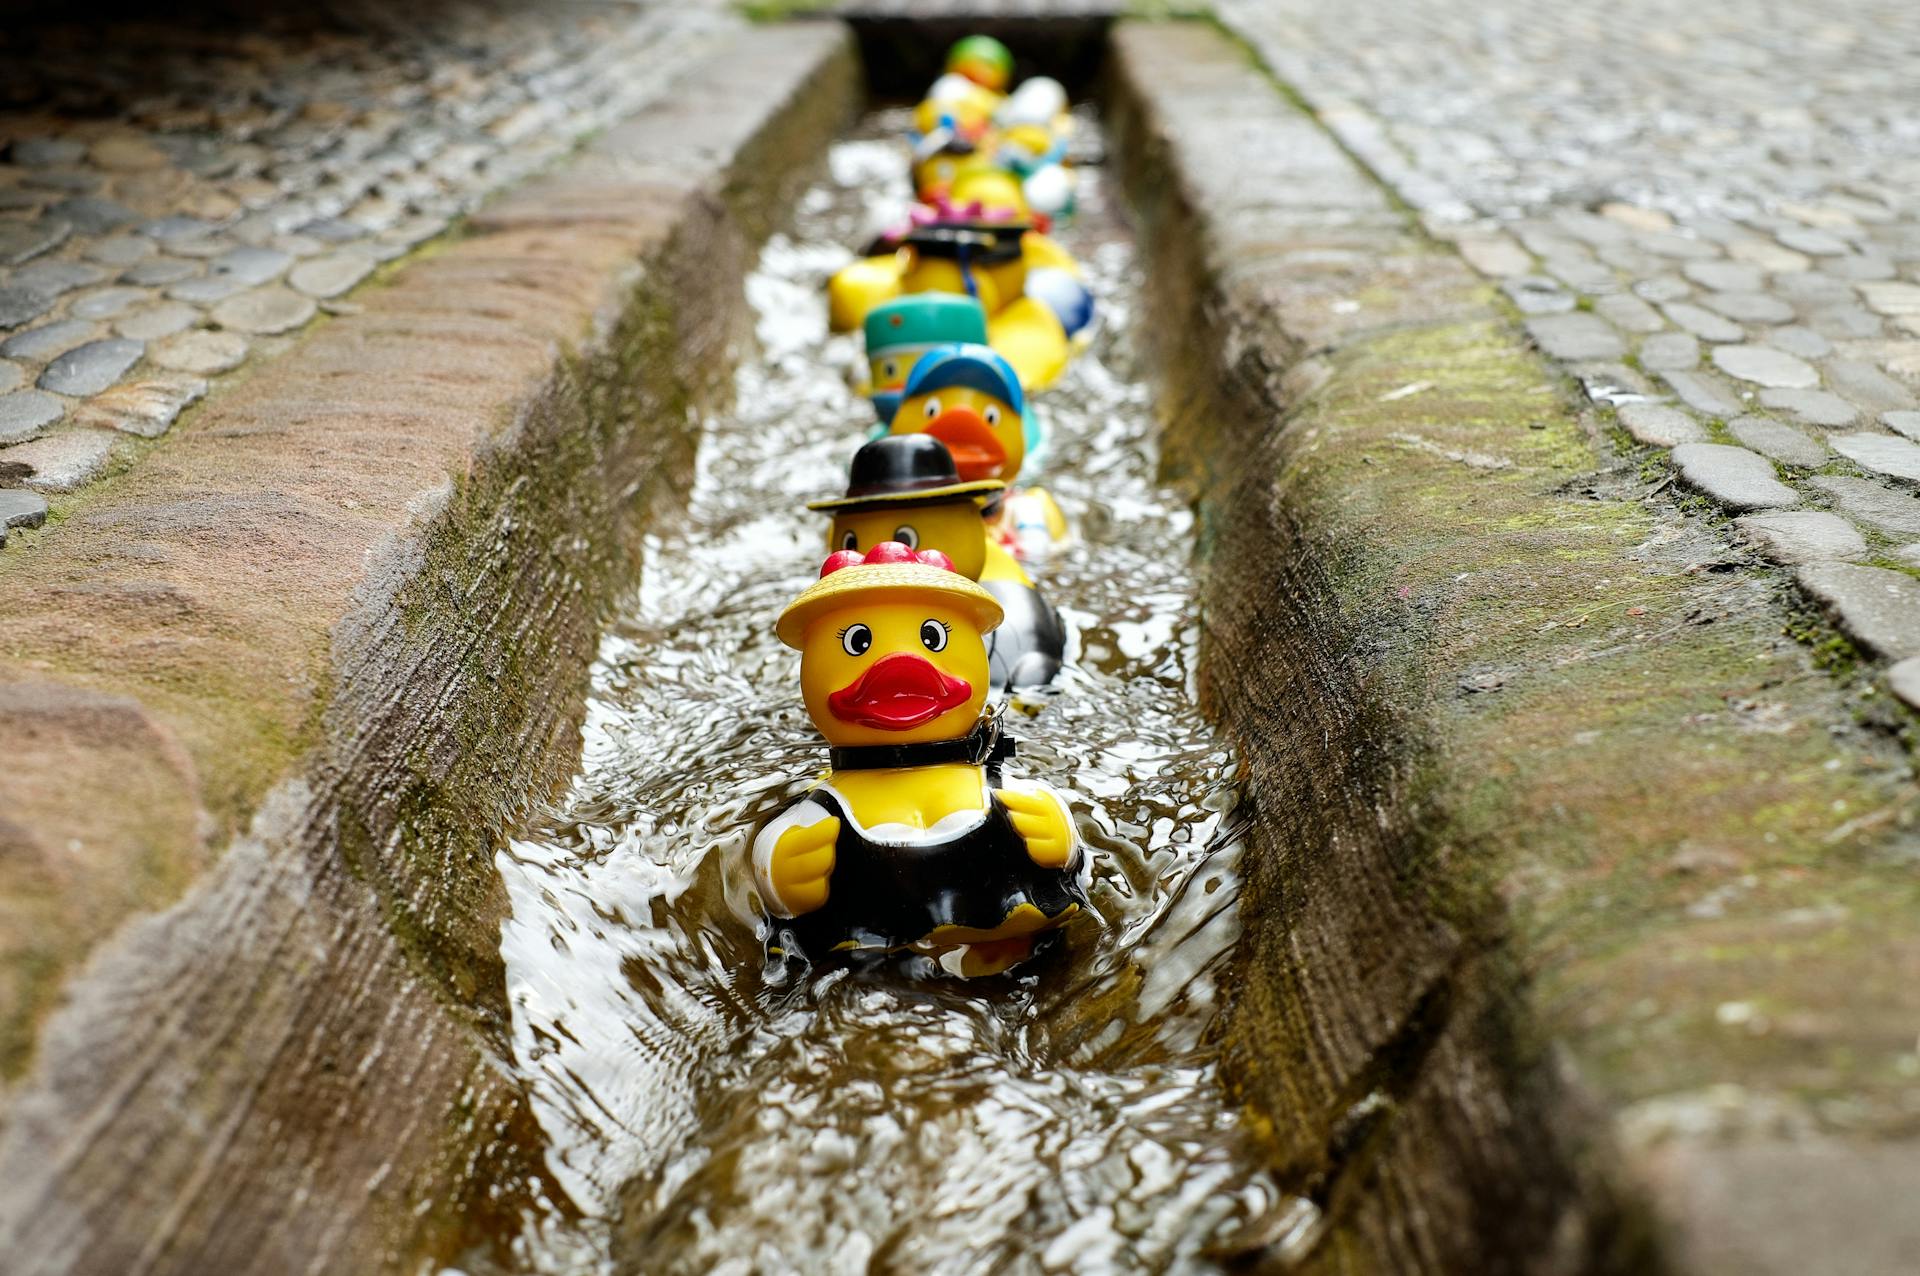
(709, 1111)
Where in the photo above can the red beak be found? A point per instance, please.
(976, 453)
(898, 692)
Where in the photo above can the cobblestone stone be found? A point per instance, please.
(1877, 606)
(206, 353)
(61, 462)
(1576, 337)
(160, 320)
(91, 368)
(1774, 369)
(1865, 501)
(48, 340)
(24, 413)
(21, 509)
(1815, 407)
(1732, 477)
(1907, 423)
(331, 275)
(1670, 351)
(1881, 454)
(1903, 678)
(1659, 425)
(1804, 536)
(1778, 441)
(1701, 393)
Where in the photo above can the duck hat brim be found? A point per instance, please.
(886, 582)
(904, 469)
(895, 500)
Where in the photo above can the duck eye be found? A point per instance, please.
(907, 536)
(855, 639)
(889, 369)
(933, 635)
(931, 410)
(991, 416)
(850, 540)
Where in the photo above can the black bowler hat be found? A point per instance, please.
(904, 469)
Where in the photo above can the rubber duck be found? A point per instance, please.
(916, 837)
(969, 398)
(1036, 304)
(904, 488)
(995, 262)
(943, 161)
(982, 59)
(898, 332)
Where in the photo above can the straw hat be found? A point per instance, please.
(889, 568)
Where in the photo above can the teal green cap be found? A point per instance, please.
(925, 319)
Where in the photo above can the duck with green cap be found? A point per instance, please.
(915, 838)
(969, 398)
(898, 332)
(904, 488)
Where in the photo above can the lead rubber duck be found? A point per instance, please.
(915, 838)
(904, 488)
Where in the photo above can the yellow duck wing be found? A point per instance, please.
(1041, 819)
(793, 857)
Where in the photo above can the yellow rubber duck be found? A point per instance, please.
(1028, 285)
(904, 488)
(915, 837)
(968, 397)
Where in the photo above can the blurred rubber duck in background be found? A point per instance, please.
(898, 332)
(983, 60)
(969, 398)
(1036, 304)
(915, 838)
(904, 488)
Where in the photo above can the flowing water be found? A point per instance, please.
(710, 1111)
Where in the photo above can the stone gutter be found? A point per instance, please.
(1579, 908)
(269, 700)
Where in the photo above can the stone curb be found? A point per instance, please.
(1517, 877)
(270, 701)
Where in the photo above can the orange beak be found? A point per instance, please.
(977, 454)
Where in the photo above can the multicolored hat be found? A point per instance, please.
(977, 367)
(887, 568)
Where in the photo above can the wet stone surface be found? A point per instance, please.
(1745, 175)
(156, 186)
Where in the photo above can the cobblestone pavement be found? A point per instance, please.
(177, 198)
(1709, 214)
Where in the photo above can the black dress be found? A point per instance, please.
(890, 895)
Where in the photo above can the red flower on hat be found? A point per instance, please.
(884, 552)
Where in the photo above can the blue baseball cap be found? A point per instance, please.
(976, 367)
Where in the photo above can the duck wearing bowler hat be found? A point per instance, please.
(906, 488)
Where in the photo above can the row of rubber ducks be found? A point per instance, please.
(917, 838)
